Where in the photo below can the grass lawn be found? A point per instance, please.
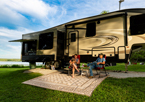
(110, 90)
(121, 66)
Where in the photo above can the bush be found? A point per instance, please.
(17, 66)
(12, 66)
(137, 56)
(5, 66)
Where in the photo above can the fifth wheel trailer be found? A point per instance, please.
(114, 34)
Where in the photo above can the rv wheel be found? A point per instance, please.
(56, 64)
(47, 65)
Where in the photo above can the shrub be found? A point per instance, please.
(137, 56)
(12, 66)
(5, 66)
(17, 66)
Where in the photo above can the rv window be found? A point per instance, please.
(29, 48)
(46, 41)
(73, 37)
(91, 29)
(137, 24)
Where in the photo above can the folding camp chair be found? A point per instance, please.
(103, 67)
(78, 65)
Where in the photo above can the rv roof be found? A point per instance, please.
(133, 10)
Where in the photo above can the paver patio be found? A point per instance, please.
(62, 82)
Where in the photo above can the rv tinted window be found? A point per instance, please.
(73, 37)
(137, 24)
(91, 29)
(46, 41)
(29, 48)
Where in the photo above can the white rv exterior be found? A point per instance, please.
(114, 34)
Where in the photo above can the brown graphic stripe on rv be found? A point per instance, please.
(142, 37)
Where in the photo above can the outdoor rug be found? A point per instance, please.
(62, 82)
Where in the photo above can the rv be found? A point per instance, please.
(114, 34)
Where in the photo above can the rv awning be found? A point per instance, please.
(23, 40)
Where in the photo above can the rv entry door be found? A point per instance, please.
(73, 43)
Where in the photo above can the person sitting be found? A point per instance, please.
(77, 61)
(74, 62)
(100, 60)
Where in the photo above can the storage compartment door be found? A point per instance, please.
(121, 52)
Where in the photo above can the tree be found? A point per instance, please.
(138, 55)
(104, 12)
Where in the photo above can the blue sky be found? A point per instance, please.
(19, 17)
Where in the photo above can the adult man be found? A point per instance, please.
(100, 60)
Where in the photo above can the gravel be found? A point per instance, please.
(129, 74)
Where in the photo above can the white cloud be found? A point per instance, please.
(20, 13)
(35, 8)
(16, 48)
(14, 34)
(23, 12)
(10, 54)
(9, 16)
(9, 50)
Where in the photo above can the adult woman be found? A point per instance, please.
(74, 66)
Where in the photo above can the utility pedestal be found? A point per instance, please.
(32, 65)
(126, 67)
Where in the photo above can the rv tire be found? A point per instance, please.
(57, 64)
(48, 65)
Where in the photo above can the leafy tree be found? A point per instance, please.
(138, 55)
(104, 12)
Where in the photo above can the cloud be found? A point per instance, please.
(9, 50)
(35, 8)
(10, 53)
(11, 17)
(16, 48)
(14, 33)
(19, 17)
(15, 13)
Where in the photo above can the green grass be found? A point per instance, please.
(110, 90)
(121, 66)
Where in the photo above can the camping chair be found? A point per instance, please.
(103, 67)
(78, 66)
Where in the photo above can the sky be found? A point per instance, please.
(19, 17)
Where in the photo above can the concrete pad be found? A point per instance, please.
(129, 74)
(62, 82)
(40, 70)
